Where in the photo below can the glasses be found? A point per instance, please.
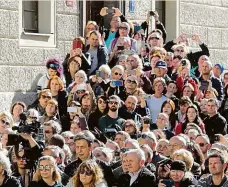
(46, 97)
(44, 168)
(33, 118)
(123, 28)
(54, 66)
(21, 158)
(80, 91)
(101, 101)
(116, 73)
(130, 81)
(5, 122)
(144, 136)
(87, 172)
(124, 150)
(154, 38)
(113, 102)
(178, 50)
(47, 132)
(202, 144)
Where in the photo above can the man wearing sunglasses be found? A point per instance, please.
(41, 103)
(112, 119)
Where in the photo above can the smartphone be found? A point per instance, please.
(168, 182)
(128, 52)
(120, 48)
(117, 83)
(77, 44)
(204, 85)
(110, 11)
(100, 74)
(71, 109)
(152, 13)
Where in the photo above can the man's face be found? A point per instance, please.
(48, 132)
(131, 84)
(215, 166)
(205, 68)
(163, 148)
(203, 105)
(211, 108)
(204, 146)
(44, 98)
(113, 105)
(160, 72)
(70, 142)
(161, 121)
(176, 63)
(183, 108)
(172, 88)
(179, 51)
(94, 40)
(175, 144)
(83, 150)
(217, 71)
(130, 104)
(134, 164)
(154, 40)
(158, 87)
(119, 139)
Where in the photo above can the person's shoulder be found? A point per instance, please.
(101, 183)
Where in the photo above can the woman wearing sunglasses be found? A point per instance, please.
(6, 122)
(88, 174)
(47, 173)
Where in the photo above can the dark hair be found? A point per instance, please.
(172, 117)
(82, 136)
(197, 120)
(185, 100)
(217, 155)
(196, 153)
(57, 65)
(103, 97)
(18, 103)
(57, 140)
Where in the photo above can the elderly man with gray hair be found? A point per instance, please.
(138, 175)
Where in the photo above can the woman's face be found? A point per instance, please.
(163, 149)
(176, 175)
(86, 176)
(129, 128)
(117, 74)
(52, 72)
(74, 128)
(17, 110)
(4, 140)
(154, 60)
(176, 63)
(100, 155)
(131, 63)
(125, 163)
(4, 124)
(167, 109)
(74, 65)
(79, 78)
(159, 87)
(54, 86)
(187, 91)
(191, 114)
(101, 104)
(86, 101)
(46, 169)
(50, 109)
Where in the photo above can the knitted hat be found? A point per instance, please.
(178, 165)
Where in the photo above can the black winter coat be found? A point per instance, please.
(10, 181)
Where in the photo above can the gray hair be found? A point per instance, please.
(55, 126)
(105, 68)
(82, 73)
(67, 134)
(138, 152)
(133, 142)
(5, 162)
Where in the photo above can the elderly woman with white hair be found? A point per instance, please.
(5, 172)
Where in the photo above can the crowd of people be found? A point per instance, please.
(126, 108)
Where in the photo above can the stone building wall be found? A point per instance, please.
(22, 67)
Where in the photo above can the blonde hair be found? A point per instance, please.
(187, 157)
(7, 115)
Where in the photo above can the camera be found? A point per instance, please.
(152, 13)
(110, 133)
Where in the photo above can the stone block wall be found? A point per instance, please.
(21, 68)
(208, 18)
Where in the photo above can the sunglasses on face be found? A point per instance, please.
(113, 102)
(80, 91)
(45, 97)
(5, 122)
(116, 73)
(144, 136)
(33, 118)
(21, 158)
(130, 81)
(44, 168)
(128, 126)
(101, 101)
(202, 144)
(86, 172)
(123, 28)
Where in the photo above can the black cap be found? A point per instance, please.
(178, 165)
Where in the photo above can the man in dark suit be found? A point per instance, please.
(138, 175)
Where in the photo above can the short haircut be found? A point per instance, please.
(185, 100)
(115, 97)
(57, 140)
(22, 104)
(138, 152)
(213, 100)
(217, 155)
(56, 128)
(82, 136)
(44, 91)
(205, 137)
(148, 149)
(123, 133)
(133, 142)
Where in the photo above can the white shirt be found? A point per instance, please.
(134, 176)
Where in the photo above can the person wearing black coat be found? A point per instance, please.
(10, 181)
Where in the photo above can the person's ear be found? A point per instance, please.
(142, 162)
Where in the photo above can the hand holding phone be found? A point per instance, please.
(168, 182)
(77, 44)
(110, 11)
(72, 109)
(116, 83)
